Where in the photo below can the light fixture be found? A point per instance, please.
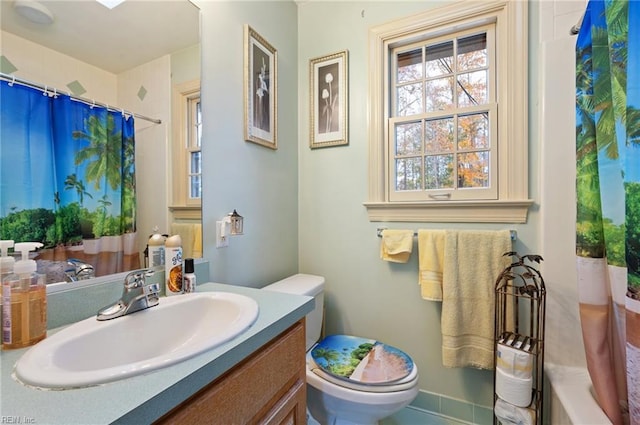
(110, 3)
(33, 11)
(235, 222)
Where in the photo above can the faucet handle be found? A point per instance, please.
(136, 279)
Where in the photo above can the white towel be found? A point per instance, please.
(514, 361)
(509, 414)
(473, 260)
(516, 391)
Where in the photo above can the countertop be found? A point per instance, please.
(145, 398)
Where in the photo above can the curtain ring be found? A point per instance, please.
(44, 93)
(13, 80)
(55, 93)
(93, 103)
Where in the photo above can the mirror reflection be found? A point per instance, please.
(116, 157)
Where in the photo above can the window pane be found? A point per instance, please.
(473, 131)
(472, 52)
(439, 94)
(438, 172)
(409, 173)
(439, 59)
(195, 182)
(472, 88)
(409, 66)
(198, 124)
(409, 100)
(196, 162)
(408, 138)
(438, 135)
(473, 169)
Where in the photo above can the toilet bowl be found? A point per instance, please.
(338, 394)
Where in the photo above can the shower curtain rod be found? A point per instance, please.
(53, 91)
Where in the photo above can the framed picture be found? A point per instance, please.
(260, 87)
(329, 93)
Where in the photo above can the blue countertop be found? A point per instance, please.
(145, 398)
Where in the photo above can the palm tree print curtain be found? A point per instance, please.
(608, 202)
(67, 180)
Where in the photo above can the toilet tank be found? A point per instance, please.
(310, 285)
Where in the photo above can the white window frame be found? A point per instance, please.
(183, 207)
(512, 203)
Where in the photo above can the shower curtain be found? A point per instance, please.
(67, 179)
(608, 202)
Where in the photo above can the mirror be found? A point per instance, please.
(140, 56)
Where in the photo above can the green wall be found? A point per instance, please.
(303, 208)
(260, 183)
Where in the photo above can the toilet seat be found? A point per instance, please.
(378, 367)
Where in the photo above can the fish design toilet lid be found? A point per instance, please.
(363, 360)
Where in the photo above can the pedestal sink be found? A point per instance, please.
(92, 352)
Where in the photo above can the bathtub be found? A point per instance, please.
(570, 397)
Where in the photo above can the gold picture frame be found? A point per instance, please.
(329, 100)
(260, 90)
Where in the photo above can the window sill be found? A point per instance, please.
(451, 212)
(193, 212)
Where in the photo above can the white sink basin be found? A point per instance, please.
(93, 352)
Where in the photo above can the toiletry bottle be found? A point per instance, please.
(189, 277)
(6, 261)
(24, 302)
(156, 249)
(173, 265)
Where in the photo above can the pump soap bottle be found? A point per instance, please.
(6, 261)
(24, 302)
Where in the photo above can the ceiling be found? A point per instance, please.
(115, 40)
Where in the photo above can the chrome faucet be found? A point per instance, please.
(78, 270)
(136, 295)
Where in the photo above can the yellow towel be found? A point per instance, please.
(473, 260)
(191, 235)
(396, 245)
(430, 263)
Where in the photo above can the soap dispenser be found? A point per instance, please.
(24, 302)
(6, 261)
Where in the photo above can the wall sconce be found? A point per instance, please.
(235, 223)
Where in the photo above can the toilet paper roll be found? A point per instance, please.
(514, 361)
(508, 414)
(513, 390)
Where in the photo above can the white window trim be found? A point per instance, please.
(182, 207)
(512, 205)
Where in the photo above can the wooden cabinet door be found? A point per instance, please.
(269, 387)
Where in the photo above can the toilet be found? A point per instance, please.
(384, 381)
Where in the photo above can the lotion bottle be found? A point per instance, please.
(173, 265)
(24, 302)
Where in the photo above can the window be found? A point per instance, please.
(186, 152)
(194, 135)
(448, 111)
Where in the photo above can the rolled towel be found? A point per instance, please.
(508, 414)
(396, 245)
(516, 391)
(514, 361)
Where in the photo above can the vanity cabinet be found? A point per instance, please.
(269, 387)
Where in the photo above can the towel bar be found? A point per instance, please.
(514, 234)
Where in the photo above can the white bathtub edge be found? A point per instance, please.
(572, 387)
